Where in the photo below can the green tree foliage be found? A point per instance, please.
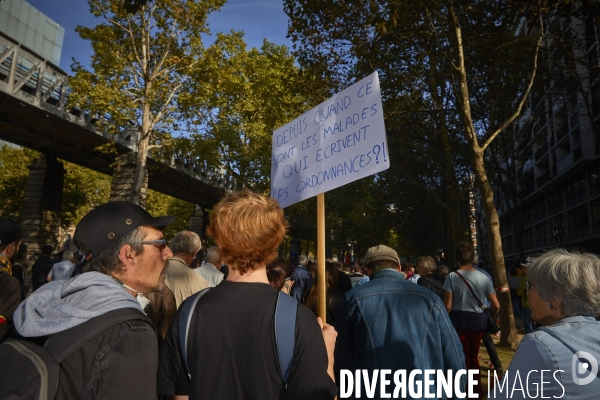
(162, 204)
(83, 189)
(453, 76)
(141, 61)
(13, 178)
(234, 102)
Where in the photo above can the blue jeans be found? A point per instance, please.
(527, 325)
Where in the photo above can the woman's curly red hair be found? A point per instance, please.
(248, 228)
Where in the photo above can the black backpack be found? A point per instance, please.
(31, 371)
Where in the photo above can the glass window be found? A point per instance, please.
(12, 26)
(528, 238)
(579, 223)
(541, 234)
(507, 244)
(594, 180)
(539, 210)
(576, 190)
(596, 215)
(527, 215)
(555, 201)
(557, 228)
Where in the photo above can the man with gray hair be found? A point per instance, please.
(210, 269)
(125, 254)
(182, 281)
(429, 279)
(61, 271)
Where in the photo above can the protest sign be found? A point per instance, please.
(339, 141)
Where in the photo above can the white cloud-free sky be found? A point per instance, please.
(259, 19)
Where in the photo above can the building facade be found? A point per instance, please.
(31, 28)
(550, 193)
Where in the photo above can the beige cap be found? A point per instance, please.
(381, 252)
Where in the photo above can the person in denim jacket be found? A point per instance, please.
(390, 323)
(564, 298)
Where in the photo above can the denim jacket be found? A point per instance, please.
(390, 323)
(552, 349)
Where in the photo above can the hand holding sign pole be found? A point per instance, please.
(339, 141)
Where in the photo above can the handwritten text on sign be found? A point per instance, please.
(341, 140)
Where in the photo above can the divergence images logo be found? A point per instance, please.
(580, 367)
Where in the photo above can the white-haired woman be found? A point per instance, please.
(561, 357)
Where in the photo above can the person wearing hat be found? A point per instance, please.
(391, 323)
(10, 289)
(125, 252)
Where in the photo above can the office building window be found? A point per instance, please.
(579, 222)
(576, 190)
(557, 229)
(556, 202)
(527, 218)
(507, 244)
(539, 210)
(541, 234)
(594, 174)
(596, 215)
(528, 242)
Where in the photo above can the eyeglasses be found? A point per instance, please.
(161, 244)
(529, 285)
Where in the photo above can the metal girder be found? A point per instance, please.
(27, 76)
(45, 96)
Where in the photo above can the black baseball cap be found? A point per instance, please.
(106, 225)
(9, 231)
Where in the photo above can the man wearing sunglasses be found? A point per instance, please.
(126, 253)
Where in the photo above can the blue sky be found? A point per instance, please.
(258, 18)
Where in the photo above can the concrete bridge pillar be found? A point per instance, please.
(123, 173)
(40, 214)
(197, 222)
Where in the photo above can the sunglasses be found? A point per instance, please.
(161, 244)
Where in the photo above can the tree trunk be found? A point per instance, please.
(507, 321)
(137, 197)
(452, 199)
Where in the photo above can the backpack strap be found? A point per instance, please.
(285, 329)
(79, 335)
(471, 289)
(185, 318)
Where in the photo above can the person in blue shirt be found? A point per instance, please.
(466, 314)
(560, 359)
(487, 340)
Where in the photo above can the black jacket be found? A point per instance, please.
(433, 282)
(120, 363)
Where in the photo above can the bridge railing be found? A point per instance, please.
(35, 80)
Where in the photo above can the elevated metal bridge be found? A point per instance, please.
(34, 114)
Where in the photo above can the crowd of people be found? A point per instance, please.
(175, 321)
